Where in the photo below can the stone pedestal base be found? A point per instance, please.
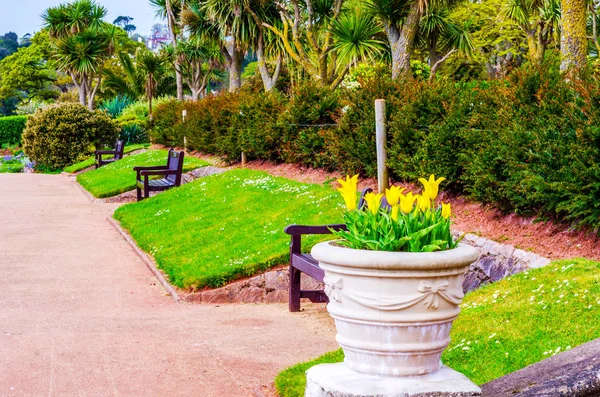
(336, 380)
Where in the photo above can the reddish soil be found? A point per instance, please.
(554, 241)
(544, 238)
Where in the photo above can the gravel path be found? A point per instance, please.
(81, 315)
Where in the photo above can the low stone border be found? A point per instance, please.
(497, 261)
(574, 373)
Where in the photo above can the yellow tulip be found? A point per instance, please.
(373, 202)
(424, 202)
(407, 202)
(395, 209)
(446, 211)
(393, 195)
(348, 191)
(431, 186)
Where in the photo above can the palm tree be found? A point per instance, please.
(400, 20)
(539, 20)
(81, 42)
(225, 22)
(151, 66)
(442, 37)
(315, 33)
(199, 61)
(130, 83)
(266, 44)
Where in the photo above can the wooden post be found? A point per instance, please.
(183, 117)
(244, 159)
(381, 139)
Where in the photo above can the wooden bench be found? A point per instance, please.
(171, 174)
(304, 263)
(117, 154)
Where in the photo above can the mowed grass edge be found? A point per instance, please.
(225, 227)
(119, 177)
(509, 325)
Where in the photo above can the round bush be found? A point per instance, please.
(61, 135)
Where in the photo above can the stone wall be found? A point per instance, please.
(496, 261)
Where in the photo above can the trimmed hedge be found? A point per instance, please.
(11, 129)
(529, 143)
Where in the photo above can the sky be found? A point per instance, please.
(23, 16)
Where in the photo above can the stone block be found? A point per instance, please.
(252, 295)
(216, 296)
(336, 380)
(277, 296)
(277, 280)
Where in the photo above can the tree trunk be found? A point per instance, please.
(269, 81)
(235, 69)
(573, 38)
(532, 52)
(403, 48)
(82, 95)
(179, 82)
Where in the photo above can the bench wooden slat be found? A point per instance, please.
(307, 264)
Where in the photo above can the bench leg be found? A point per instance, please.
(294, 300)
(139, 194)
(146, 191)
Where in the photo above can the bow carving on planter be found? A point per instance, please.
(333, 289)
(428, 293)
(432, 292)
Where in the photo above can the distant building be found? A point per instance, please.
(159, 36)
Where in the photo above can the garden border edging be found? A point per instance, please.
(147, 260)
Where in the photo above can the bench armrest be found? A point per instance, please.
(152, 168)
(101, 152)
(297, 230)
(157, 172)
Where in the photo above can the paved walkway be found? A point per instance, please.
(81, 315)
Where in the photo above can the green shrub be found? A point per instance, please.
(11, 129)
(60, 135)
(529, 143)
(256, 127)
(134, 120)
(167, 116)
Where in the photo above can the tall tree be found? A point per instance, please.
(400, 19)
(226, 22)
(25, 75)
(539, 20)
(315, 34)
(573, 37)
(81, 43)
(152, 68)
(442, 37)
(198, 62)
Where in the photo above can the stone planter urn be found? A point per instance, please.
(393, 312)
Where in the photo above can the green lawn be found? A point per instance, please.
(119, 177)
(11, 167)
(82, 165)
(508, 325)
(224, 227)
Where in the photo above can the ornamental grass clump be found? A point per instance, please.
(408, 223)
